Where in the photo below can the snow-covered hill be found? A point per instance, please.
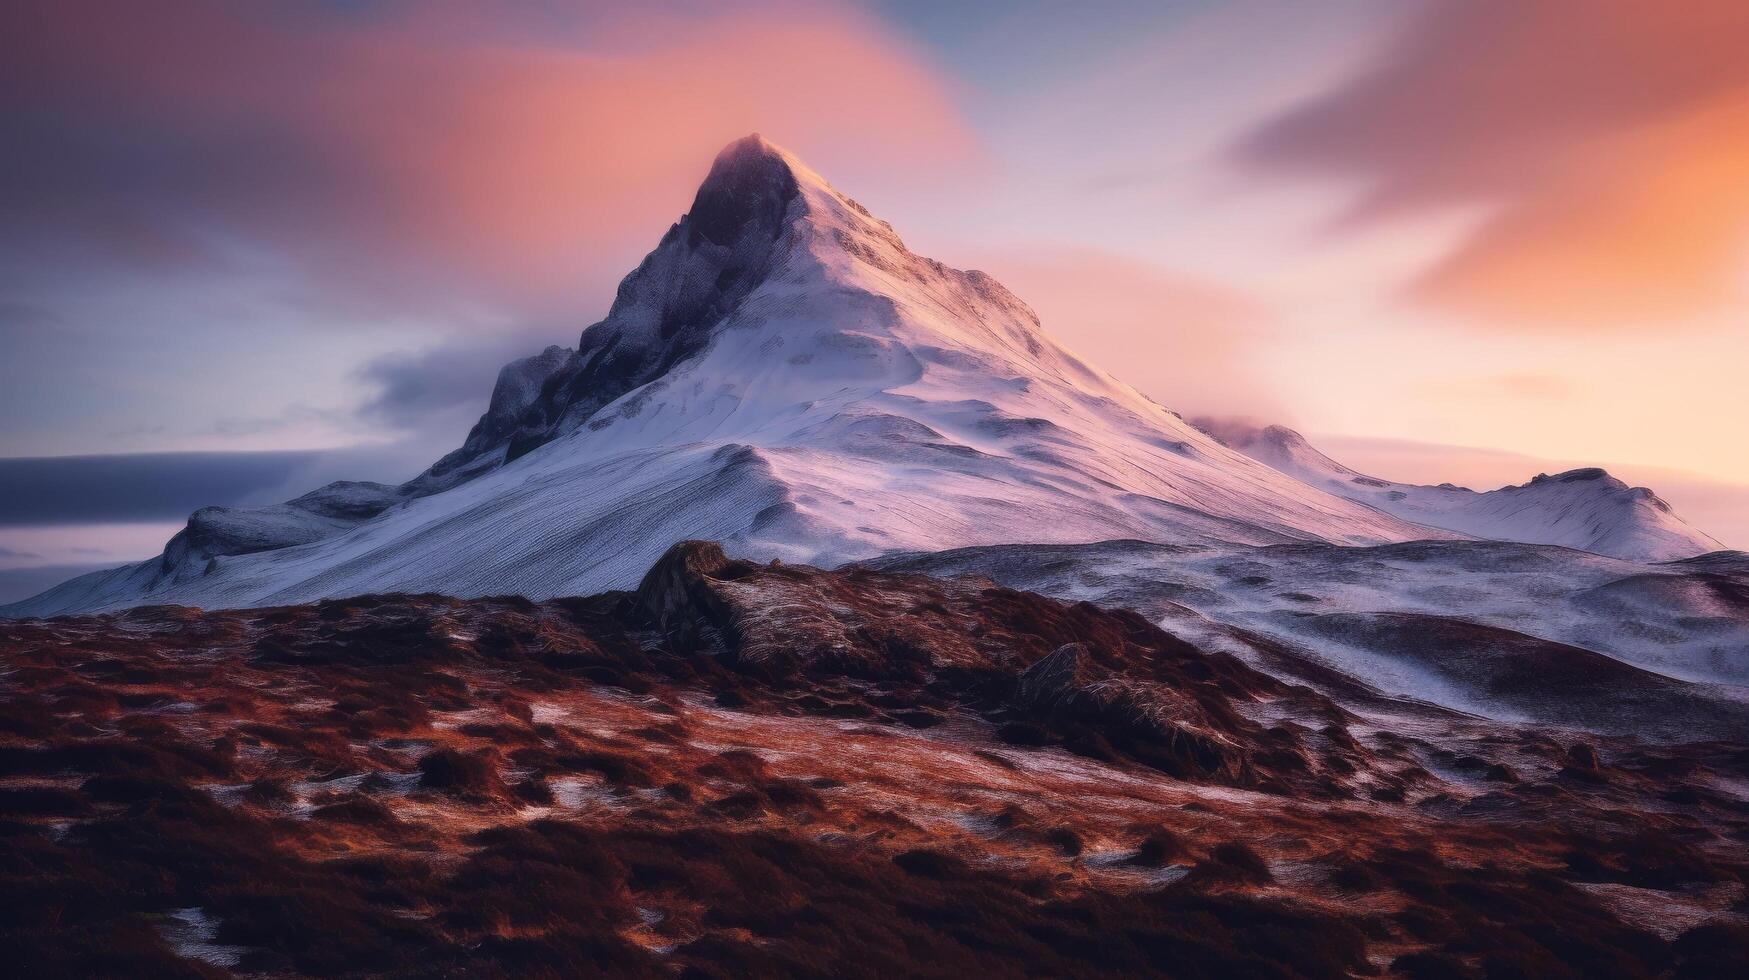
(780, 374)
(1585, 508)
(1504, 630)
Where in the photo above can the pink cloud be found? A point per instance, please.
(448, 147)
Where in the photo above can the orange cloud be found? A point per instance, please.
(1605, 143)
(449, 146)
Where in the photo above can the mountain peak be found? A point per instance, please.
(750, 150)
(749, 189)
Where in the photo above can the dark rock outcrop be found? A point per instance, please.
(677, 598)
(1170, 729)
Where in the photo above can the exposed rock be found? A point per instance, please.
(519, 386)
(677, 594)
(1581, 755)
(1067, 686)
(1057, 679)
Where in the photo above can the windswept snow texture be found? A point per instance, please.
(783, 376)
(1586, 508)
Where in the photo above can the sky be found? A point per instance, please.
(249, 248)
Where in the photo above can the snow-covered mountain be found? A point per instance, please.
(1585, 509)
(780, 374)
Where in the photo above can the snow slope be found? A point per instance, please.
(1510, 631)
(782, 375)
(1586, 508)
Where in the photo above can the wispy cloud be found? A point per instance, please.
(1602, 144)
(424, 152)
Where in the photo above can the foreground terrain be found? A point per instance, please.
(746, 769)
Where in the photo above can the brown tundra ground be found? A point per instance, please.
(747, 770)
